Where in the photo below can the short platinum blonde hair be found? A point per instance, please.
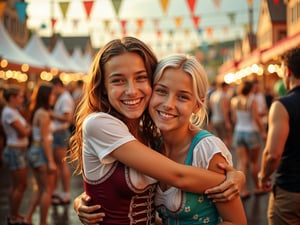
(191, 66)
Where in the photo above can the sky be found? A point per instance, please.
(40, 13)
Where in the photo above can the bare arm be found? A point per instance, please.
(23, 131)
(258, 119)
(225, 112)
(235, 205)
(44, 124)
(232, 109)
(188, 178)
(277, 136)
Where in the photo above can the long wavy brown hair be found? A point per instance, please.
(95, 99)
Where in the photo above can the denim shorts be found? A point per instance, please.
(61, 139)
(15, 158)
(36, 156)
(250, 140)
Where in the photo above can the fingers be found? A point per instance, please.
(224, 196)
(223, 192)
(88, 209)
(225, 167)
(213, 190)
(227, 184)
(221, 197)
(85, 198)
(90, 219)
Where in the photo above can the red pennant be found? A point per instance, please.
(53, 22)
(196, 20)
(191, 4)
(88, 5)
(158, 34)
(123, 24)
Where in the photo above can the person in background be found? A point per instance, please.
(62, 117)
(211, 90)
(261, 102)
(78, 91)
(40, 155)
(178, 108)
(269, 96)
(281, 154)
(2, 133)
(113, 132)
(76, 94)
(247, 135)
(220, 113)
(17, 131)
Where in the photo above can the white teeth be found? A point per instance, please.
(165, 115)
(132, 102)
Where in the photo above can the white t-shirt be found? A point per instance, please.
(64, 104)
(102, 134)
(10, 115)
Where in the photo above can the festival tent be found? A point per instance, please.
(87, 59)
(36, 48)
(82, 60)
(15, 56)
(61, 54)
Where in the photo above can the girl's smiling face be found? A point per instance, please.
(173, 102)
(127, 84)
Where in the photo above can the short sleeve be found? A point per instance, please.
(102, 134)
(207, 148)
(67, 104)
(10, 117)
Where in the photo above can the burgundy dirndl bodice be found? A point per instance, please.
(122, 203)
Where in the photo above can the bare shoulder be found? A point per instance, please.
(278, 110)
(41, 115)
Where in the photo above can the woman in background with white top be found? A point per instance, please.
(248, 133)
(17, 132)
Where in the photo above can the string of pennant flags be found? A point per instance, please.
(164, 38)
(139, 22)
(88, 5)
(178, 20)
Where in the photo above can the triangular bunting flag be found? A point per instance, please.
(117, 6)
(21, 10)
(64, 8)
(191, 5)
(164, 5)
(178, 21)
(2, 7)
(88, 5)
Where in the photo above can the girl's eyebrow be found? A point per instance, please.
(115, 74)
(181, 91)
(121, 74)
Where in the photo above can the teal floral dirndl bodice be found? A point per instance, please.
(194, 209)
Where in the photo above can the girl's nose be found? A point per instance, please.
(169, 103)
(131, 88)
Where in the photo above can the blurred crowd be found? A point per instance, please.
(35, 129)
(238, 114)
